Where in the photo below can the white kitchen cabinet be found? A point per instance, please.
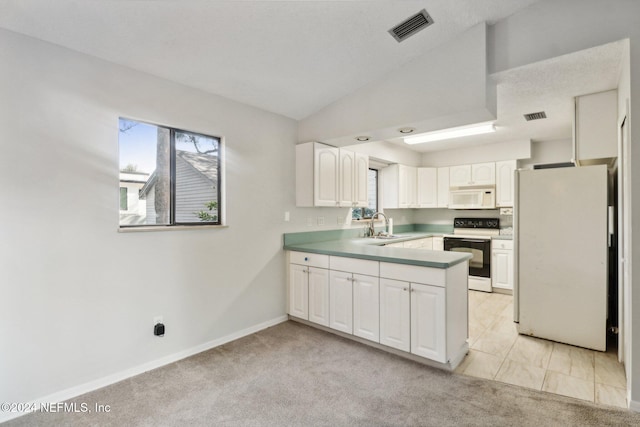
(399, 186)
(428, 322)
(329, 176)
(483, 173)
(475, 174)
(361, 181)
(424, 243)
(309, 287)
(299, 291)
(505, 185)
(443, 187)
(366, 307)
(319, 296)
(596, 127)
(346, 181)
(427, 188)
(341, 301)
(395, 318)
(502, 264)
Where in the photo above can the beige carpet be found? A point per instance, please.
(294, 375)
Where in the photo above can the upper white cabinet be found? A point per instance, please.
(427, 188)
(443, 187)
(475, 174)
(361, 181)
(329, 176)
(399, 186)
(596, 130)
(505, 186)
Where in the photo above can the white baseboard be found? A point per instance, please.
(634, 406)
(72, 392)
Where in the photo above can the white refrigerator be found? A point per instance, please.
(561, 254)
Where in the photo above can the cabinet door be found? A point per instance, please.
(394, 314)
(319, 296)
(299, 291)
(362, 181)
(459, 176)
(347, 173)
(341, 301)
(325, 175)
(407, 186)
(428, 322)
(366, 307)
(502, 268)
(505, 183)
(483, 174)
(443, 187)
(427, 187)
(596, 126)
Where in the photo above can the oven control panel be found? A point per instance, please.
(490, 223)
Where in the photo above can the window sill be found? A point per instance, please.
(169, 228)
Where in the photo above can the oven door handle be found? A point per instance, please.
(472, 241)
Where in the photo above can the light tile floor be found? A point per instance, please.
(499, 353)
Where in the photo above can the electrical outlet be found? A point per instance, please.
(320, 220)
(287, 217)
(157, 319)
(309, 221)
(340, 220)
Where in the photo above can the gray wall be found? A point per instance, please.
(78, 298)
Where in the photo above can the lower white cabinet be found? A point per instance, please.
(382, 302)
(438, 243)
(428, 322)
(319, 296)
(341, 301)
(366, 307)
(502, 264)
(395, 318)
(299, 291)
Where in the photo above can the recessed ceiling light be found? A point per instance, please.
(406, 130)
(363, 138)
(456, 132)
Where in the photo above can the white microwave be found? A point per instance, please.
(473, 198)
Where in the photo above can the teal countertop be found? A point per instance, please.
(374, 249)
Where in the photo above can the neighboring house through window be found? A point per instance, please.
(181, 173)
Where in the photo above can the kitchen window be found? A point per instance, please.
(177, 174)
(366, 213)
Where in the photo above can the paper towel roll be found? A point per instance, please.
(390, 225)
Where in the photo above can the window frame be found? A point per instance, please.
(172, 183)
(363, 210)
(126, 198)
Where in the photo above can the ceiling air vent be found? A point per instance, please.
(535, 116)
(409, 27)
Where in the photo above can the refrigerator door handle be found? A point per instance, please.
(516, 259)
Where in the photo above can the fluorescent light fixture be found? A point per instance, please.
(457, 132)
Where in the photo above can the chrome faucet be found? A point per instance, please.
(372, 230)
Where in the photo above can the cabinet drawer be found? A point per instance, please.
(312, 260)
(354, 265)
(413, 273)
(502, 244)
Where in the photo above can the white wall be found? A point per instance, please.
(77, 298)
(543, 152)
(444, 88)
(551, 28)
(479, 153)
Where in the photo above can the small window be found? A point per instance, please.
(366, 213)
(123, 199)
(177, 174)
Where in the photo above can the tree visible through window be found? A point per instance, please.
(365, 213)
(178, 174)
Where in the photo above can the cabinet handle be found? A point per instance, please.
(405, 289)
